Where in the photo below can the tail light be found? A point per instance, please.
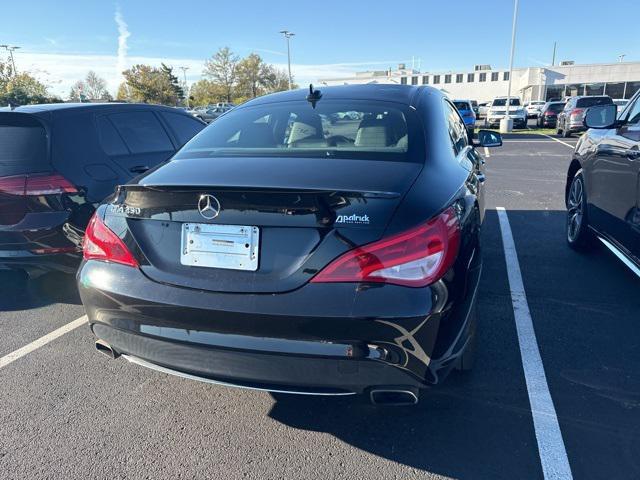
(47, 184)
(415, 258)
(549, 114)
(101, 243)
(577, 112)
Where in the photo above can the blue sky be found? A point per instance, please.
(62, 39)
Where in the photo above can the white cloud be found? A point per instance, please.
(61, 71)
(123, 35)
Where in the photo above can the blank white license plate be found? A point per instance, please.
(233, 247)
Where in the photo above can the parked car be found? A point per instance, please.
(483, 109)
(549, 114)
(57, 162)
(570, 120)
(474, 106)
(467, 113)
(620, 103)
(602, 189)
(281, 252)
(208, 115)
(498, 111)
(534, 108)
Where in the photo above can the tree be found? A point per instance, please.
(278, 80)
(123, 94)
(222, 69)
(252, 76)
(21, 89)
(148, 84)
(91, 88)
(205, 92)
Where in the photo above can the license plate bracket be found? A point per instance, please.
(232, 247)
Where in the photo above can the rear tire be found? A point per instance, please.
(579, 237)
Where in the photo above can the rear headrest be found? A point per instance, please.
(306, 127)
(374, 132)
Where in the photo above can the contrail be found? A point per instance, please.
(123, 35)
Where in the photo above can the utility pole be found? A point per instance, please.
(506, 124)
(10, 49)
(186, 90)
(553, 59)
(287, 34)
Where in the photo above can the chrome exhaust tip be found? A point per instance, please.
(105, 348)
(394, 397)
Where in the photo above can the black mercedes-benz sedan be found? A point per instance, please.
(603, 183)
(313, 242)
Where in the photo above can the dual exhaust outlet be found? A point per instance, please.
(383, 396)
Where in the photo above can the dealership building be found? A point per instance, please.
(482, 83)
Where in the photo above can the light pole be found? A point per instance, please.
(287, 34)
(621, 57)
(10, 49)
(506, 124)
(184, 74)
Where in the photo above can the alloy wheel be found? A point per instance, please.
(575, 209)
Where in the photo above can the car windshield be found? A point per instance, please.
(502, 102)
(591, 101)
(462, 105)
(338, 129)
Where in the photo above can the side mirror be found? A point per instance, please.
(601, 116)
(488, 138)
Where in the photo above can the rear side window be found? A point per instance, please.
(345, 129)
(23, 145)
(591, 101)
(184, 127)
(457, 130)
(110, 140)
(141, 132)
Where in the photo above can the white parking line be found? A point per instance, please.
(559, 141)
(486, 152)
(553, 455)
(21, 352)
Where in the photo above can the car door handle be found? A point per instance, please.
(632, 154)
(139, 169)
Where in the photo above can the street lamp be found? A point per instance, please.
(10, 49)
(184, 74)
(506, 124)
(287, 34)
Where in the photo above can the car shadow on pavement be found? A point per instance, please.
(18, 292)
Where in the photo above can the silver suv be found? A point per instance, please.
(498, 110)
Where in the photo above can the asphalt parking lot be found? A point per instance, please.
(69, 412)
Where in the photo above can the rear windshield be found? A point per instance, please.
(23, 145)
(556, 107)
(591, 101)
(462, 105)
(502, 102)
(347, 129)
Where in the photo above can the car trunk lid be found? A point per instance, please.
(307, 211)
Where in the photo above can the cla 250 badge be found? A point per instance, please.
(125, 209)
(359, 219)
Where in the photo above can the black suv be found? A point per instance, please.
(57, 162)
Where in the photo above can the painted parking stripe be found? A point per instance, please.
(21, 352)
(559, 141)
(486, 152)
(553, 455)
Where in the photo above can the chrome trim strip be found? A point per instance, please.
(621, 256)
(169, 371)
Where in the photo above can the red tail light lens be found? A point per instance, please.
(415, 258)
(576, 112)
(24, 185)
(100, 243)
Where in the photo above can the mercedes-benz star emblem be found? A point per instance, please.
(208, 206)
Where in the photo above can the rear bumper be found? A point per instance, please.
(297, 341)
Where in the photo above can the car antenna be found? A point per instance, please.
(314, 95)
